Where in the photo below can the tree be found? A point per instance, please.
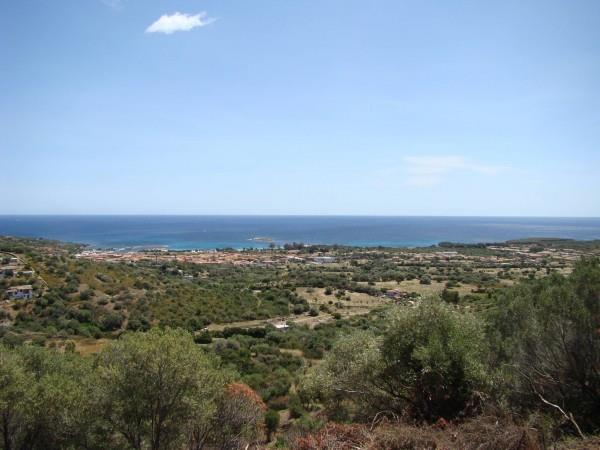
(47, 400)
(271, 422)
(111, 321)
(546, 344)
(239, 418)
(156, 386)
(450, 296)
(433, 360)
(428, 364)
(14, 381)
(344, 382)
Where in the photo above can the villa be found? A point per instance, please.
(20, 292)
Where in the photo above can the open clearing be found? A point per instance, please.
(317, 296)
(435, 288)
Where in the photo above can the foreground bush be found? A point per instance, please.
(535, 358)
(546, 341)
(154, 390)
(155, 385)
(429, 364)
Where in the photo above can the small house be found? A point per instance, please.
(397, 294)
(324, 259)
(26, 273)
(20, 292)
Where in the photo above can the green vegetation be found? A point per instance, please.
(546, 341)
(92, 299)
(80, 297)
(533, 356)
(479, 354)
(429, 363)
(146, 391)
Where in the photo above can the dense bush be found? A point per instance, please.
(155, 390)
(433, 361)
(535, 357)
(428, 364)
(546, 341)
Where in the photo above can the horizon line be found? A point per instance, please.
(286, 215)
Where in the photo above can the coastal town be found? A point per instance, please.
(513, 254)
(497, 259)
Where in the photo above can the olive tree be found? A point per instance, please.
(345, 381)
(14, 382)
(546, 345)
(429, 363)
(434, 359)
(157, 386)
(47, 400)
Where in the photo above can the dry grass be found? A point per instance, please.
(478, 434)
(435, 288)
(90, 346)
(292, 351)
(317, 296)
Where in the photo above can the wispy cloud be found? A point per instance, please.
(169, 24)
(115, 4)
(429, 171)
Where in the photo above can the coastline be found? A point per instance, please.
(202, 233)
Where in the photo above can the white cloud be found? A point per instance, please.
(116, 4)
(179, 22)
(429, 171)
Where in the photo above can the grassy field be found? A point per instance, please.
(317, 296)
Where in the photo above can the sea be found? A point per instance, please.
(218, 232)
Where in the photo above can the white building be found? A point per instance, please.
(20, 292)
(324, 259)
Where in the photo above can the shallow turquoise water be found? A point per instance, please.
(207, 232)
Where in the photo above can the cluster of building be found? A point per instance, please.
(11, 268)
(502, 257)
(494, 256)
(261, 258)
(525, 252)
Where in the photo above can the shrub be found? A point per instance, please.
(429, 364)
(157, 386)
(39, 340)
(450, 296)
(111, 321)
(545, 338)
(86, 295)
(204, 337)
(271, 422)
(239, 418)
(298, 309)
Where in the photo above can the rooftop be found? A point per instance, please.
(23, 287)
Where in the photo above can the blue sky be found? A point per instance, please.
(296, 107)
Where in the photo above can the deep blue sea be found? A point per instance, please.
(209, 232)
